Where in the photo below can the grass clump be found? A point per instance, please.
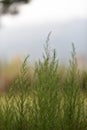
(47, 91)
(73, 101)
(53, 100)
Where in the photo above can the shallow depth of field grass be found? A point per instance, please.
(54, 98)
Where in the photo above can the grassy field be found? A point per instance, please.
(52, 97)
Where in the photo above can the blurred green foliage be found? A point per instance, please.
(51, 99)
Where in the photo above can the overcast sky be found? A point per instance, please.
(27, 31)
(42, 11)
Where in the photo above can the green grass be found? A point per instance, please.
(53, 100)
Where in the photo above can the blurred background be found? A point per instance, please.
(25, 24)
(26, 31)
